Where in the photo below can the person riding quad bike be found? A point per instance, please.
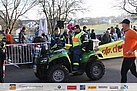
(57, 62)
(79, 41)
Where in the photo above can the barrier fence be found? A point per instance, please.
(23, 53)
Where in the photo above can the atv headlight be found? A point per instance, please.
(44, 60)
(36, 55)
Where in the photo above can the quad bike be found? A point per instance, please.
(55, 65)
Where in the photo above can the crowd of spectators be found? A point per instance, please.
(111, 34)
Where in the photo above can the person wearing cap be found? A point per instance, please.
(57, 39)
(79, 40)
(129, 46)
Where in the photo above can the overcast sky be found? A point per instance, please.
(101, 8)
(97, 8)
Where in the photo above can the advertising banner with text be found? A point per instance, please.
(111, 50)
(68, 87)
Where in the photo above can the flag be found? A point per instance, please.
(40, 28)
(45, 27)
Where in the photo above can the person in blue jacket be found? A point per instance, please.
(57, 39)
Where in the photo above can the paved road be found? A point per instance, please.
(26, 75)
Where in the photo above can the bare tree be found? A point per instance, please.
(11, 10)
(130, 6)
(60, 10)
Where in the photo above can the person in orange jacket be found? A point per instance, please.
(129, 51)
(9, 39)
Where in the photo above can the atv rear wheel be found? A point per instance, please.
(58, 73)
(95, 70)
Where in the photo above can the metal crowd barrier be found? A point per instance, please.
(22, 53)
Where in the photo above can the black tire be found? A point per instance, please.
(58, 73)
(95, 70)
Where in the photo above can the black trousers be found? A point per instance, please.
(128, 64)
(1, 71)
(8, 50)
(2, 58)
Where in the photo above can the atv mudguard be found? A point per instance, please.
(87, 55)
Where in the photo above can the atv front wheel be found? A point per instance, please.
(95, 70)
(58, 73)
(38, 73)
